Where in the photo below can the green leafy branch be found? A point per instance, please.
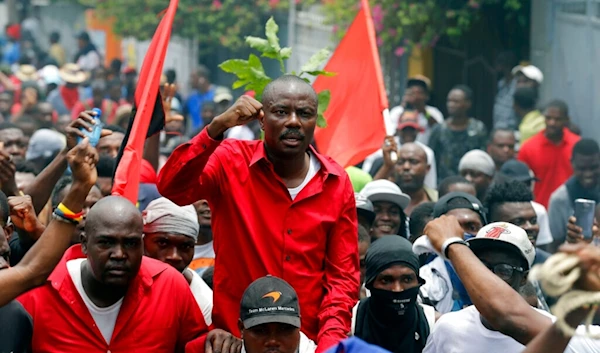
(251, 73)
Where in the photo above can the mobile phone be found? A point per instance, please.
(584, 212)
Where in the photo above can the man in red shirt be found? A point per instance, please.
(278, 207)
(114, 299)
(548, 153)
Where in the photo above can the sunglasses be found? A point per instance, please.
(504, 271)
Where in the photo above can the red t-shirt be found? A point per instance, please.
(550, 162)
(158, 314)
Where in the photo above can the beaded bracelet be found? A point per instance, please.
(60, 217)
(67, 212)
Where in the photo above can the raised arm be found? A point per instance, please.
(341, 277)
(487, 291)
(39, 189)
(39, 262)
(190, 165)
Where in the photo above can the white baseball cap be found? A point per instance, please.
(385, 190)
(502, 234)
(529, 71)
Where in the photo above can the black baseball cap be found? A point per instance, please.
(517, 170)
(443, 205)
(270, 300)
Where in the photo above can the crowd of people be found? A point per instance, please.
(246, 239)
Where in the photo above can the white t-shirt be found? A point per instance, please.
(203, 295)
(313, 168)
(438, 285)
(431, 176)
(433, 112)
(462, 332)
(306, 345)
(105, 318)
(544, 236)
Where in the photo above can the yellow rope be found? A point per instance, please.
(557, 276)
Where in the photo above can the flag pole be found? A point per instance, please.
(390, 130)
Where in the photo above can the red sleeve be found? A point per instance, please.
(342, 278)
(191, 320)
(190, 174)
(77, 108)
(196, 346)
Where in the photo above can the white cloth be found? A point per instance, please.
(306, 345)
(313, 168)
(545, 235)
(204, 257)
(240, 132)
(438, 286)
(105, 318)
(203, 295)
(433, 112)
(164, 216)
(463, 332)
(431, 176)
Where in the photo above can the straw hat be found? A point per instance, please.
(27, 73)
(72, 73)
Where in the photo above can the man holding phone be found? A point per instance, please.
(585, 185)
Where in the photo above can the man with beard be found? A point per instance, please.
(278, 207)
(106, 296)
(584, 184)
(409, 174)
(389, 203)
(391, 317)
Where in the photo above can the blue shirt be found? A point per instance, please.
(194, 104)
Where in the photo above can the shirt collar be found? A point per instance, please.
(327, 164)
(562, 142)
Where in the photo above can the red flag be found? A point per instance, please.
(127, 174)
(355, 114)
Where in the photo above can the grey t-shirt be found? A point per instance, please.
(17, 328)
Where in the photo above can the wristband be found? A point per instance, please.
(75, 218)
(59, 217)
(67, 212)
(448, 242)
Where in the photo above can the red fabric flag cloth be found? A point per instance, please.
(358, 98)
(127, 174)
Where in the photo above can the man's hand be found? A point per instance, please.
(167, 99)
(82, 160)
(243, 111)
(575, 233)
(389, 146)
(23, 215)
(441, 229)
(85, 120)
(220, 341)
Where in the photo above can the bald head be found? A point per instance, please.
(414, 149)
(113, 212)
(285, 83)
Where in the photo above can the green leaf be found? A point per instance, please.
(315, 61)
(271, 30)
(323, 99)
(254, 62)
(260, 44)
(321, 73)
(285, 53)
(234, 65)
(239, 83)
